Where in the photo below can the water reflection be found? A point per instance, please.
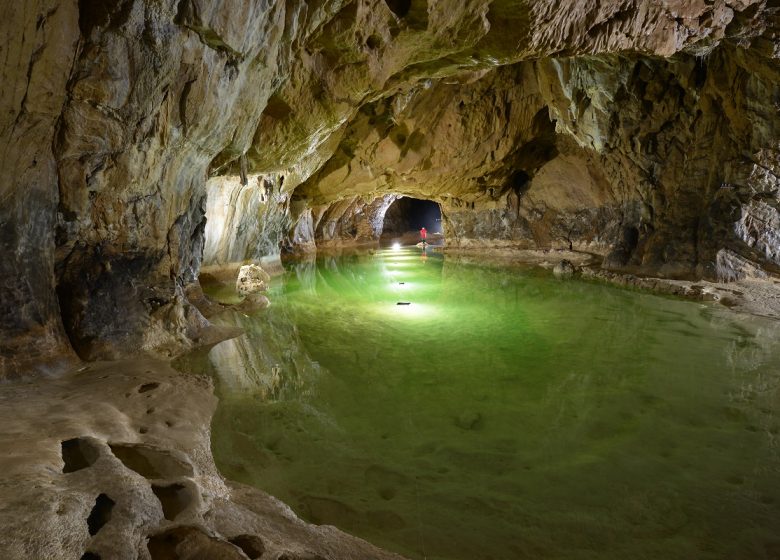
(504, 414)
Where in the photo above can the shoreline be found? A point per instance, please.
(137, 433)
(122, 469)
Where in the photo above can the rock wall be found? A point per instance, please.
(245, 221)
(658, 164)
(351, 221)
(148, 96)
(683, 139)
(638, 129)
(39, 41)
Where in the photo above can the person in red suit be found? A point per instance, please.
(424, 235)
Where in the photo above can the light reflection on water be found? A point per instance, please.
(503, 414)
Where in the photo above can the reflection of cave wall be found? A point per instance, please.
(244, 222)
(410, 214)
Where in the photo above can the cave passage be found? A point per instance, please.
(409, 215)
(501, 414)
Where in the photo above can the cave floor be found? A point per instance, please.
(114, 459)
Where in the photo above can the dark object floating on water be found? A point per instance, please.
(404, 303)
(402, 283)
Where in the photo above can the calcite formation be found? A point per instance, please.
(252, 285)
(142, 139)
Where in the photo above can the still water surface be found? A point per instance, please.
(503, 414)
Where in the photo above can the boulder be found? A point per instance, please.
(252, 280)
(564, 269)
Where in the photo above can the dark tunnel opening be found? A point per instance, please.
(406, 216)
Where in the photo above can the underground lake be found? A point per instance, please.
(502, 413)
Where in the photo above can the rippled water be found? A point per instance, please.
(503, 414)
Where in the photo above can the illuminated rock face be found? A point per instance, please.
(641, 130)
(633, 158)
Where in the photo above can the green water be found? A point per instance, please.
(504, 414)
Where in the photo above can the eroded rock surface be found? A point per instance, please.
(252, 279)
(122, 469)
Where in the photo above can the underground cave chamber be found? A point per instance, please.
(219, 337)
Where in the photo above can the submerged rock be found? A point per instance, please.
(254, 302)
(564, 269)
(469, 420)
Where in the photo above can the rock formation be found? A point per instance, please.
(143, 139)
(252, 280)
(252, 285)
(140, 482)
(642, 131)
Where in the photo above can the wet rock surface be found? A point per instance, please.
(252, 279)
(123, 469)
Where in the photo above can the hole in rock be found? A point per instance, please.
(148, 387)
(252, 545)
(163, 546)
(277, 108)
(78, 453)
(174, 499)
(102, 13)
(303, 556)
(623, 251)
(90, 556)
(631, 237)
(374, 42)
(100, 514)
(519, 182)
(190, 543)
(150, 462)
(414, 13)
(406, 216)
(399, 7)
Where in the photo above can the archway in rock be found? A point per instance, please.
(407, 215)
